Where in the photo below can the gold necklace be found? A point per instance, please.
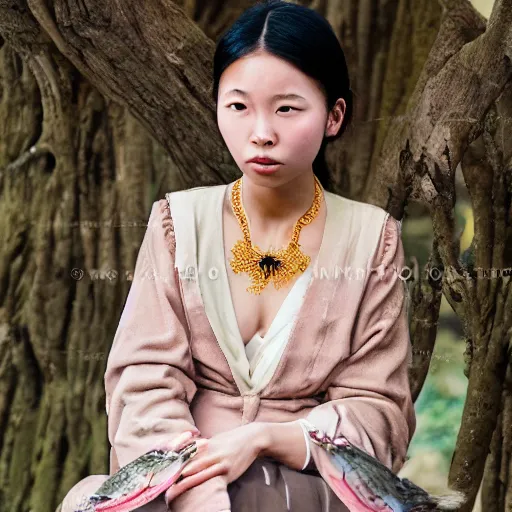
(277, 266)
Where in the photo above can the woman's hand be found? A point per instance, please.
(228, 454)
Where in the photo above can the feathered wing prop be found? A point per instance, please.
(364, 484)
(140, 481)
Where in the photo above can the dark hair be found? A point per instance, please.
(302, 37)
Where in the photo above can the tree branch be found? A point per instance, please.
(150, 57)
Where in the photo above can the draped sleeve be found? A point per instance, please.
(369, 400)
(149, 378)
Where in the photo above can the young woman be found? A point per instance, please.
(265, 301)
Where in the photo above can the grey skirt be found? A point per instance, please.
(273, 487)
(267, 485)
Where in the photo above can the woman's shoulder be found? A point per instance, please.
(196, 192)
(372, 229)
(196, 198)
(161, 224)
(359, 207)
(364, 210)
(187, 202)
(362, 217)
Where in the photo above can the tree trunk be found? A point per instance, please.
(104, 108)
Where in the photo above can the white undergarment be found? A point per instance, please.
(261, 352)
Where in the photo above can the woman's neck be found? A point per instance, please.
(275, 206)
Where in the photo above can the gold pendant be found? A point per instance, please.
(276, 266)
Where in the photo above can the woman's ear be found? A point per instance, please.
(335, 118)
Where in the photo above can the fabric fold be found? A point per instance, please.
(368, 400)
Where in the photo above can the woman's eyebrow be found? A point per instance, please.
(289, 96)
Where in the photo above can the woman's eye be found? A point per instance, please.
(288, 106)
(241, 104)
(229, 106)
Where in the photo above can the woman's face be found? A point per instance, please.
(255, 121)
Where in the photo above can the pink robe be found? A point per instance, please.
(344, 367)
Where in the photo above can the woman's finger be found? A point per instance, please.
(198, 464)
(193, 480)
(181, 441)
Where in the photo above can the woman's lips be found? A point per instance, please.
(264, 161)
(265, 168)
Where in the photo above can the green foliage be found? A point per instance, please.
(441, 401)
(438, 422)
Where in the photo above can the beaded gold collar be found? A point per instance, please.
(265, 266)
